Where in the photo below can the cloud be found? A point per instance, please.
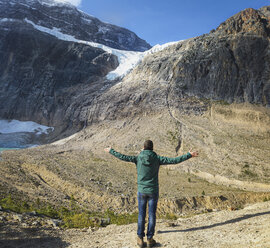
(73, 2)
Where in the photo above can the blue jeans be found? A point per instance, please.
(152, 200)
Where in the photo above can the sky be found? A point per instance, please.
(162, 21)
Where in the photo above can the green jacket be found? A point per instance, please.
(148, 163)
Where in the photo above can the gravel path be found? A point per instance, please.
(247, 228)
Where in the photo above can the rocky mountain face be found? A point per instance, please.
(253, 22)
(230, 64)
(62, 83)
(40, 72)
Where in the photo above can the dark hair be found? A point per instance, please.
(148, 145)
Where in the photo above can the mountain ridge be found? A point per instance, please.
(74, 22)
(247, 21)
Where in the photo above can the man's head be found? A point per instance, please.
(148, 145)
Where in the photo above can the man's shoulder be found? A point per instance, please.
(147, 152)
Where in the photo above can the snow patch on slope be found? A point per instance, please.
(15, 126)
(53, 3)
(22, 134)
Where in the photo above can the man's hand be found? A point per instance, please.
(107, 149)
(193, 154)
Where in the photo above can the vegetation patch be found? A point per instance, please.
(173, 136)
(72, 217)
(169, 216)
(248, 173)
(121, 219)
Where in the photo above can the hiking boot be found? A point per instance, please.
(151, 242)
(140, 242)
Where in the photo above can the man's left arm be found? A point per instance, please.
(166, 160)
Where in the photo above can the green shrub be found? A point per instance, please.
(173, 136)
(9, 203)
(77, 220)
(246, 165)
(121, 219)
(249, 173)
(171, 216)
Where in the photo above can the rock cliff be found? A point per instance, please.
(230, 64)
(40, 74)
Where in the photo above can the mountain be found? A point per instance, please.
(47, 78)
(230, 65)
(51, 75)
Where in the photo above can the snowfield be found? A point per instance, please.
(15, 126)
(21, 134)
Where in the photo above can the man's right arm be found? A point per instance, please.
(123, 157)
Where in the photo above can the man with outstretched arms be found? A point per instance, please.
(148, 163)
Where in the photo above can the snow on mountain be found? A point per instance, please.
(73, 2)
(57, 2)
(16, 134)
(127, 59)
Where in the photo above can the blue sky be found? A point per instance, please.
(162, 21)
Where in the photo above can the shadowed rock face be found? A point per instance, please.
(40, 75)
(48, 80)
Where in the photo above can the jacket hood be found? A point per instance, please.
(147, 157)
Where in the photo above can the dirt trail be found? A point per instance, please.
(243, 185)
(249, 228)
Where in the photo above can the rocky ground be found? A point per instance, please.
(233, 142)
(248, 227)
(244, 228)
